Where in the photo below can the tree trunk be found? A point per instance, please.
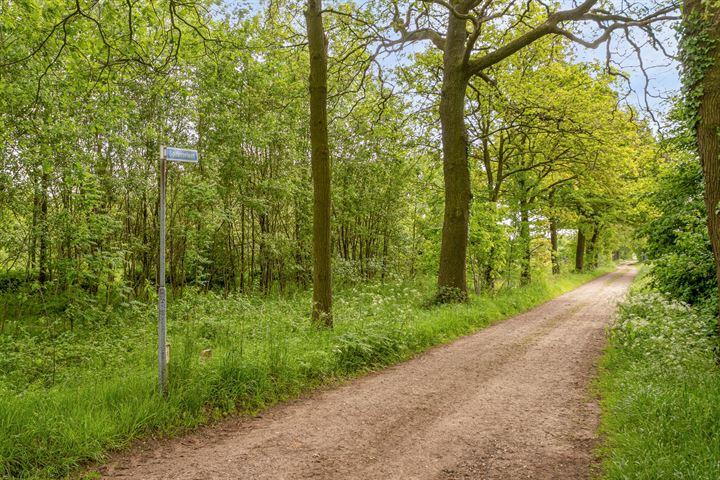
(554, 246)
(592, 253)
(148, 258)
(708, 123)
(580, 251)
(553, 235)
(33, 235)
(452, 283)
(474, 266)
(251, 277)
(524, 239)
(589, 250)
(320, 160)
(43, 273)
(242, 248)
(489, 273)
(263, 254)
(384, 257)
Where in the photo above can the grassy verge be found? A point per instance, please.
(661, 393)
(69, 397)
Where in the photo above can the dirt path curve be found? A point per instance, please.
(510, 402)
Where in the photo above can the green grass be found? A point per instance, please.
(660, 390)
(67, 398)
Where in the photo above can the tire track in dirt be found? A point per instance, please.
(509, 402)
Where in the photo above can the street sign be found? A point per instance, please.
(173, 154)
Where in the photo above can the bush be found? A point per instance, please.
(677, 240)
(669, 331)
(687, 273)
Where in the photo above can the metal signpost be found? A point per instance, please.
(167, 154)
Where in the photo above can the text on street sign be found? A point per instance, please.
(180, 155)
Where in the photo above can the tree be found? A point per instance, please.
(475, 38)
(320, 159)
(676, 234)
(542, 125)
(701, 60)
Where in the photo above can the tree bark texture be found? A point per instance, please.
(707, 128)
(320, 161)
(452, 282)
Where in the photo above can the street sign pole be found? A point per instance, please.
(162, 294)
(173, 155)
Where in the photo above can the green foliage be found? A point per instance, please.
(549, 147)
(370, 345)
(661, 392)
(81, 120)
(696, 46)
(688, 272)
(677, 238)
(79, 166)
(66, 398)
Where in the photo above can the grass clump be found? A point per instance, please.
(68, 397)
(660, 385)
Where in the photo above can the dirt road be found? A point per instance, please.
(510, 402)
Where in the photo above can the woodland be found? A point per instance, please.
(374, 178)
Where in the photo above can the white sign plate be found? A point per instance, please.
(173, 154)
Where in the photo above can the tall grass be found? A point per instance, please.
(660, 385)
(67, 398)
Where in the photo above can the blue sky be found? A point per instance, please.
(664, 81)
(662, 72)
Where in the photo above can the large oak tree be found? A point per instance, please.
(702, 77)
(473, 36)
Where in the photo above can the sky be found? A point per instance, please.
(662, 72)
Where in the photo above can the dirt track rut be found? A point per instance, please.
(509, 402)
